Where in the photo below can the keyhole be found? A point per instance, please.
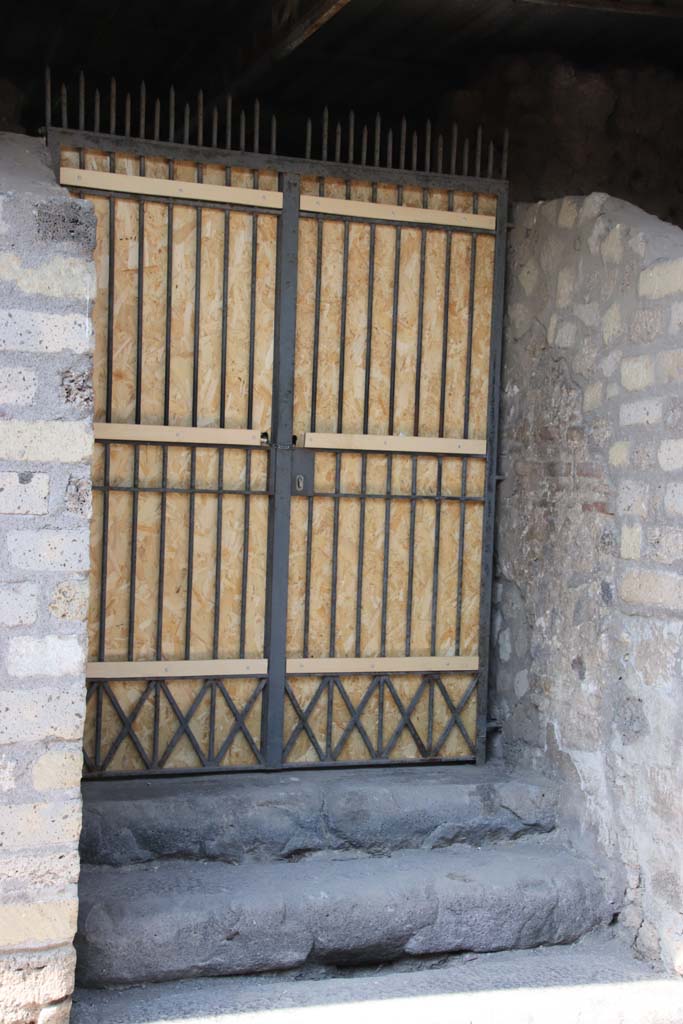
(299, 481)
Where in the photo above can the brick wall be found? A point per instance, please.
(589, 597)
(46, 285)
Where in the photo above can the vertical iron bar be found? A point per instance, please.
(133, 553)
(155, 728)
(200, 118)
(326, 121)
(157, 120)
(139, 323)
(491, 471)
(162, 554)
(392, 406)
(98, 725)
(316, 314)
(190, 554)
(454, 147)
(63, 101)
(102, 646)
(110, 300)
(245, 553)
(506, 147)
(279, 519)
(219, 555)
(411, 555)
(335, 553)
(437, 546)
(112, 107)
(48, 97)
(221, 423)
(81, 101)
(361, 553)
(171, 114)
(143, 110)
(466, 420)
(416, 422)
(127, 116)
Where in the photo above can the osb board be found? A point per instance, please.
(341, 309)
(355, 748)
(236, 265)
(433, 631)
(240, 470)
(184, 692)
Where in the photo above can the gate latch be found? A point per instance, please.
(303, 464)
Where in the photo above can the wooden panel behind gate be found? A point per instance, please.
(392, 483)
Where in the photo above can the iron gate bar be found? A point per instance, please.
(488, 533)
(280, 465)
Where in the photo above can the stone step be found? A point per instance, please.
(594, 982)
(288, 815)
(174, 919)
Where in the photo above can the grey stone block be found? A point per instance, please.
(286, 816)
(175, 919)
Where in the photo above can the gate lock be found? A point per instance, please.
(303, 463)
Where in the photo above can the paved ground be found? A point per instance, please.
(597, 981)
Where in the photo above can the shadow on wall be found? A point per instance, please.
(575, 131)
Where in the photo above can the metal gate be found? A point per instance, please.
(296, 375)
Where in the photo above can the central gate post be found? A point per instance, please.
(281, 468)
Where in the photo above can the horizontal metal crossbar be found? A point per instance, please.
(106, 181)
(394, 443)
(389, 212)
(158, 434)
(350, 666)
(176, 669)
(104, 142)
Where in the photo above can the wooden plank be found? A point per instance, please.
(105, 181)
(393, 443)
(353, 666)
(176, 669)
(397, 214)
(133, 432)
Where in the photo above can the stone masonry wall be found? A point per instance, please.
(589, 597)
(46, 285)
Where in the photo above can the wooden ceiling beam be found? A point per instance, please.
(289, 25)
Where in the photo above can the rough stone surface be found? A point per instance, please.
(256, 817)
(178, 919)
(575, 129)
(46, 289)
(588, 608)
(596, 980)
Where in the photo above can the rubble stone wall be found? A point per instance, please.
(589, 597)
(46, 289)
